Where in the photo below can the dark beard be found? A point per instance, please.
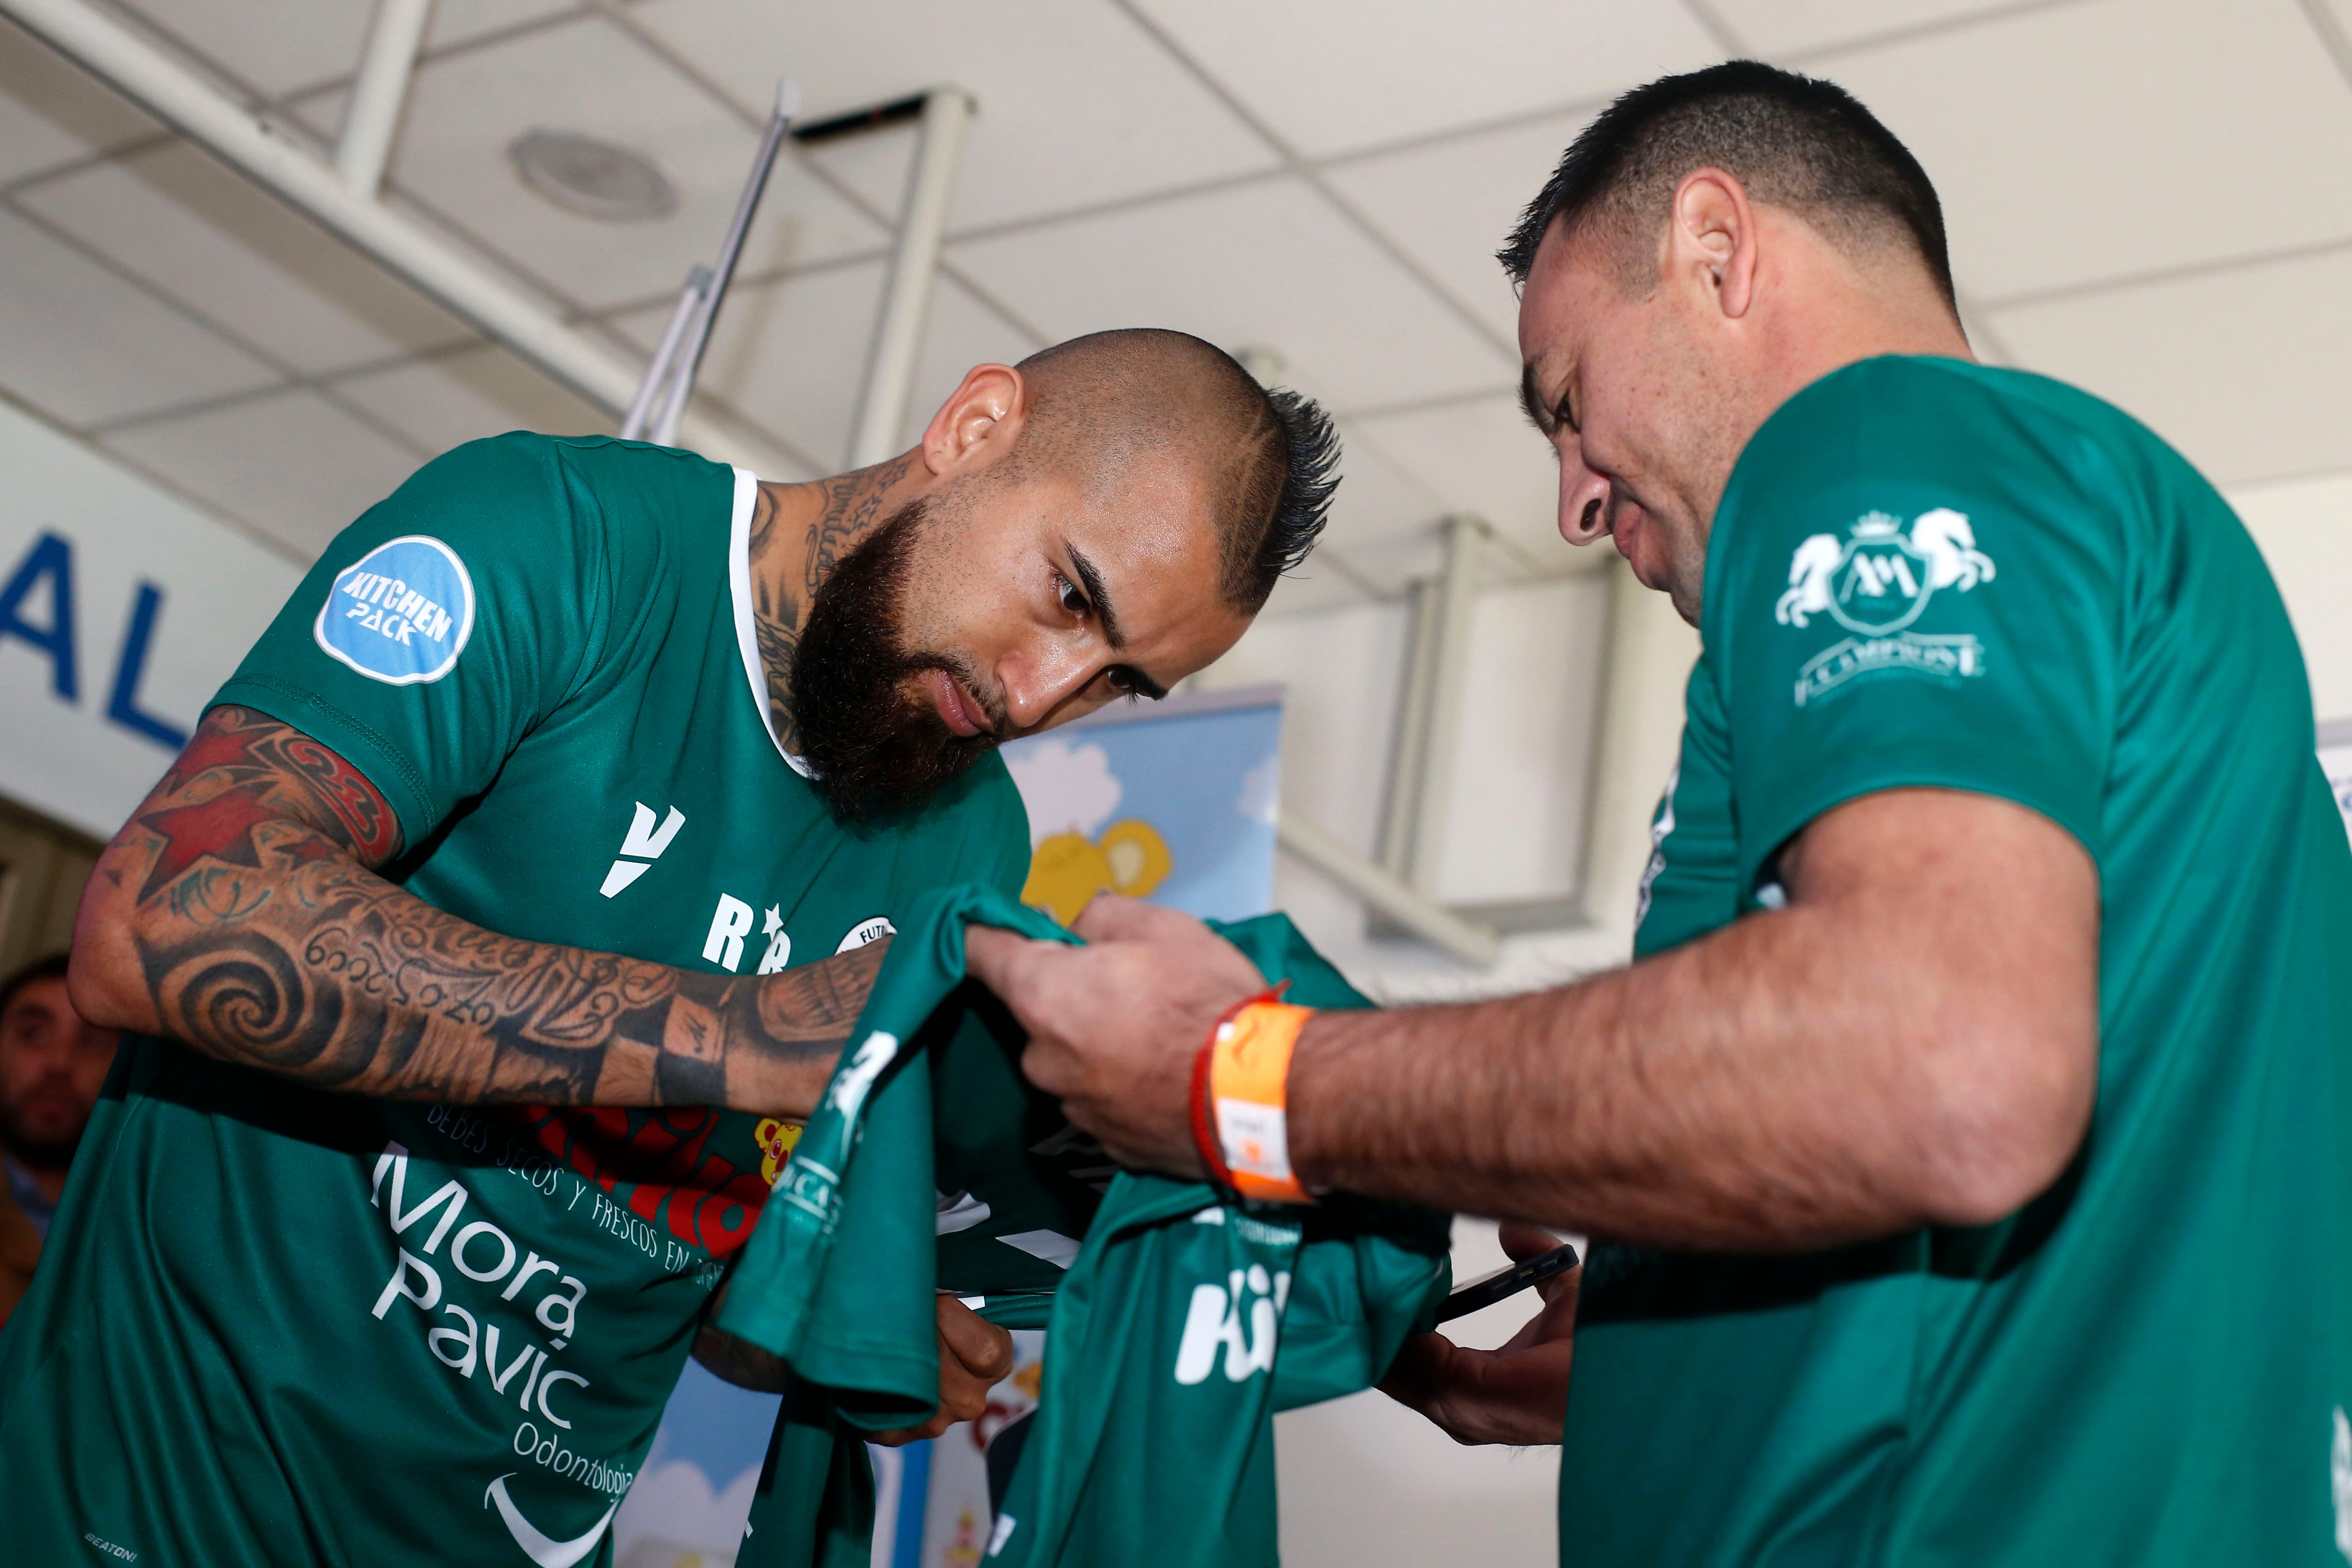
(877, 748)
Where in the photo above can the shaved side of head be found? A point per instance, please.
(1100, 403)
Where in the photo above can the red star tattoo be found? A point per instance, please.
(221, 827)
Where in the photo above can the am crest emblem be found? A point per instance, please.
(1876, 582)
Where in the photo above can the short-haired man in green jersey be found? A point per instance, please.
(1968, 1147)
(510, 904)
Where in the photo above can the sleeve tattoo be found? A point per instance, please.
(264, 937)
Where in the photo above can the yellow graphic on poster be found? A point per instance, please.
(775, 1139)
(1128, 858)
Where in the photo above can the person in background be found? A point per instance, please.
(52, 1064)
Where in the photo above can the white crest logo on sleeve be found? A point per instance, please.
(1876, 582)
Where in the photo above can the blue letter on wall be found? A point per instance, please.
(122, 704)
(50, 558)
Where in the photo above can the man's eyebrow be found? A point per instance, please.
(1091, 582)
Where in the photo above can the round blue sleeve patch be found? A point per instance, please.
(401, 614)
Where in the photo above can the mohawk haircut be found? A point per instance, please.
(1795, 141)
(1272, 454)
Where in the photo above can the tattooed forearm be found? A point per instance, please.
(259, 934)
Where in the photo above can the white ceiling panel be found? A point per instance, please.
(448, 399)
(1331, 75)
(84, 345)
(293, 465)
(1269, 263)
(275, 46)
(2120, 138)
(1316, 585)
(1077, 104)
(212, 240)
(1449, 203)
(2242, 370)
(1778, 27)
(1377, 498)
(52, 112)
(961, 332)
(590, 76)
(790, 356)
(459, 21)
(1480, 455)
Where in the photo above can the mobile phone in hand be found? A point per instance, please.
(1504, 1283)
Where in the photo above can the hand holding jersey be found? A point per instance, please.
(1994, 926)
(479, 894)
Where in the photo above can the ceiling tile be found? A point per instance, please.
(1776, 27)
(789, 356)
(1449, 203)
(211, 238)
(84, 345)
(451, 398)
(293, 465)
(2242, 370)
(961, 332)
(1318, 584)
(2120, 138)
(1478, 456)
(1077, 104)
(1378, 499)
(52, 111)
(1266, 264)
(458, 21)
(275, 46)
(1329, 75)
(589, 76)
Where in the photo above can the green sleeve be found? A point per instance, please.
(1913, 585)
(439, 628)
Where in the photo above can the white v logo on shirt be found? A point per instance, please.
(546, 1553)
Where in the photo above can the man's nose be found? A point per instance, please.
(1035, 688)
(1583, 503)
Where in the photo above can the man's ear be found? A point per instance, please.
(980, 420)
(1711, 240)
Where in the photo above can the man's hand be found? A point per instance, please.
(975, 1355)
(1515, 1394)
(1114, 1025)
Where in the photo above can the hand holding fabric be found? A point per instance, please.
(1114, 1025)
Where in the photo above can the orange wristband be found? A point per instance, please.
(1249, 1083)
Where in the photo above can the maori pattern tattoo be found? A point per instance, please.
(263, 936)
(853, 508)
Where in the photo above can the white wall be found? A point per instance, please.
(2305, 529)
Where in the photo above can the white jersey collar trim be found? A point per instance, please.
(747, 632)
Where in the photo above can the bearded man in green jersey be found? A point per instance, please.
(1969, 1143)
(510, 907)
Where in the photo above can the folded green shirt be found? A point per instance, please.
(1180, 1324)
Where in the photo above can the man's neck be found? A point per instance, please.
(799, 533)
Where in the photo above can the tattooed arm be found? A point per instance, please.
(237, 911)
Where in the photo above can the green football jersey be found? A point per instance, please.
(1929, 573)
(1175, 1331)
(276, 1325)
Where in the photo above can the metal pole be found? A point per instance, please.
(161, 86)
(914, 268)
(657, 373)
(381, 92)
(730, 250)
(1409, 908)
(1409, 752)
(1449, 669)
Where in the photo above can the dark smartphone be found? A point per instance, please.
(1506, 1282)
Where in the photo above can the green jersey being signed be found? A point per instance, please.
(275, 1325)
(1925, 573)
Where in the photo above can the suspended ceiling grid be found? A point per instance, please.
(2147, 197)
